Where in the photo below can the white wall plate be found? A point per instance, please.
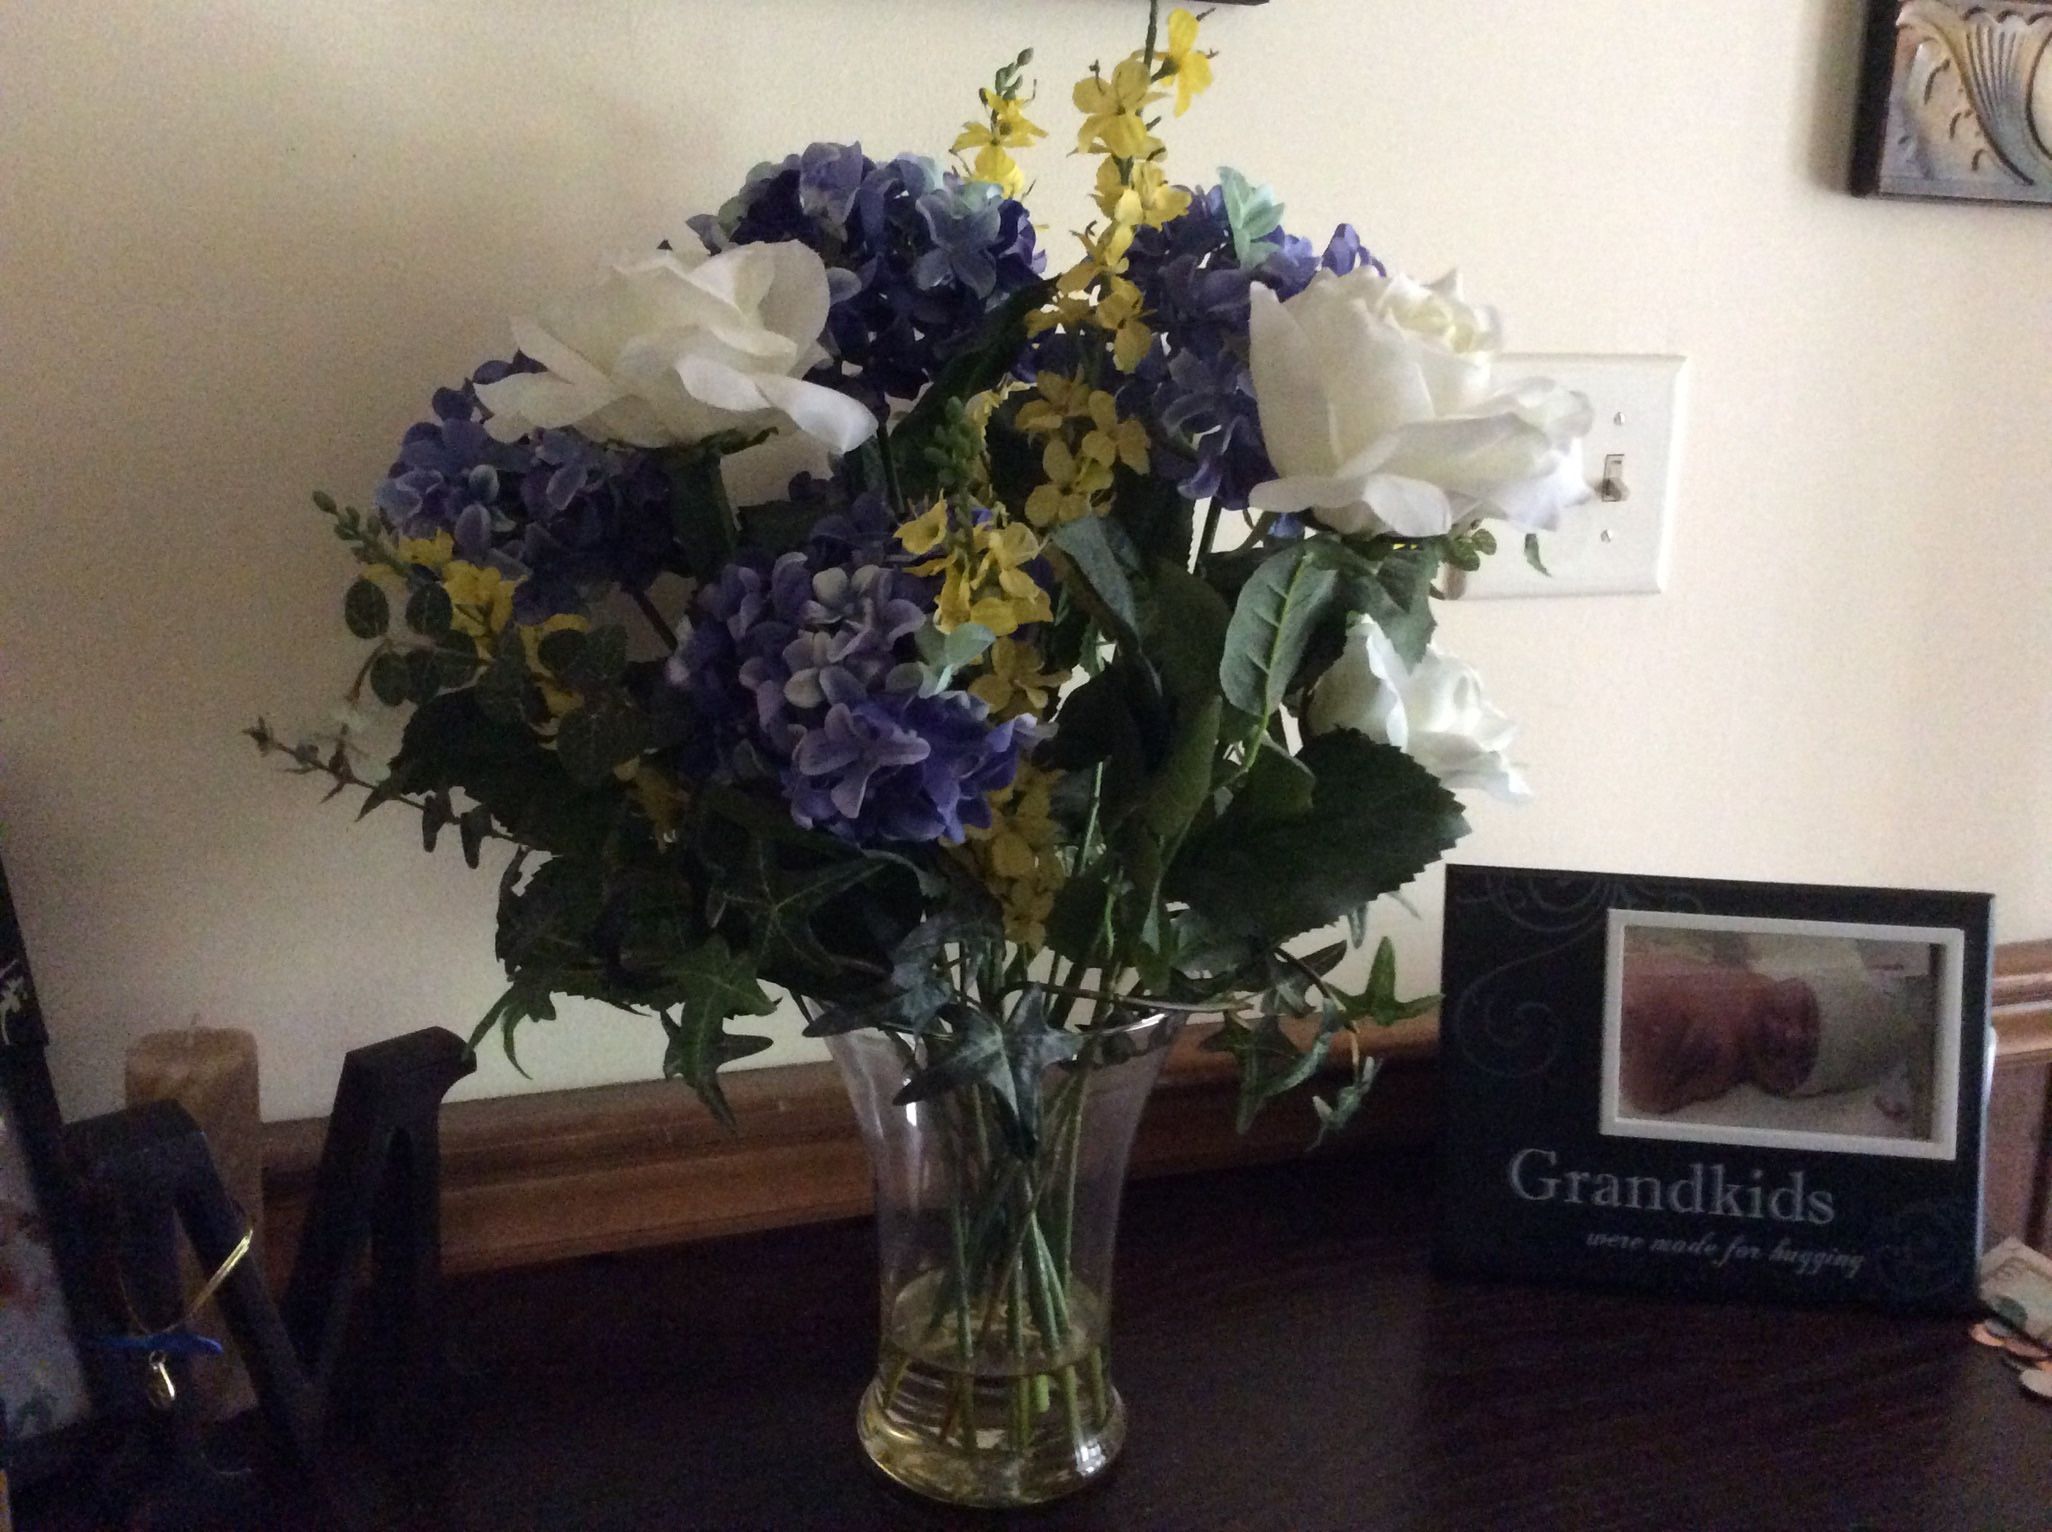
(1603, 547)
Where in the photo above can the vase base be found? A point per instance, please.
(992, 1473)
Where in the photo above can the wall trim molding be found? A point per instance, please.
(557, 1174)
(566, 1173)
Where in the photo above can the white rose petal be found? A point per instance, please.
(1434, 712)
(1377, 402)
(666, 350)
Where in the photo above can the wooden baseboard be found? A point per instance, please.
(565, 1173)
(615, 1167)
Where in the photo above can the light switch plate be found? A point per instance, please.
(1602, 547)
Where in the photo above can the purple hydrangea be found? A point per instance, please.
(562, 514)
(1196, 381)
(803, 673)
(916, 257)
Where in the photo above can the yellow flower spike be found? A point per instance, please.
(924, 533)
(1191, 69)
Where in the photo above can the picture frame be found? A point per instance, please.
(1714, 1088)
(58, 1396)
(1955, 98)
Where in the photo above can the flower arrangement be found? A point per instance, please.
(847, 604)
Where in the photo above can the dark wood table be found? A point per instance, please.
(1288, 1362)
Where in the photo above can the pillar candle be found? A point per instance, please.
(212, 1073)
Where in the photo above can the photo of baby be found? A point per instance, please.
(1779, 1033)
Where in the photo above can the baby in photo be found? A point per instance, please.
(1825, 1034)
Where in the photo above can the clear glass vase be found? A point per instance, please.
(992, 1385)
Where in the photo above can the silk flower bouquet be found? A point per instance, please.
(1001, 667)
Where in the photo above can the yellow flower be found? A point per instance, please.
(1007, 127)
(1071, 482)
(482, 599)
(923, 533)
(1141, 196)
(992, 164)
(1191, 69)
(431, 552)
(1114, 440)
(1111, 111)
(661, 799)
(1013, 681)
(1060, 398)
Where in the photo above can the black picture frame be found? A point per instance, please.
(35, 1124)
(1946, 103)
(1584, 1136)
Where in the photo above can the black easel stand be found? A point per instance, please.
(147, 1172)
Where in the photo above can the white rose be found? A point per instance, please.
(1376, 398)
(666, 350)
(1434, 712)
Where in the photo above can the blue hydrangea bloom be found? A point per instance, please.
(562, 514)
(802, 673)
(915, 257)
(1196, 381)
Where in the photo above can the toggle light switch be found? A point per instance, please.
(1616, 543)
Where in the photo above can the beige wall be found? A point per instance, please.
(242, 241)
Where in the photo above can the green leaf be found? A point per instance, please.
(474, 825)
(1278, 611)
(366, 610)
(502, 689)
(720, 984)
(1008, 1061)
(1395, 590)
(1153, 514)
(1532, 554)
(388, 681)
(599, 661)
(1334, 1115)
(560, 649)
(429, 611)
(701, 516)
(1377, 819)
(423, 676)
(1270, 1063)
(1089, 551)
(1186, 623)
(1251, 211)
(1177, 791)
(1278, 785)
(594, 739)
(946, 653)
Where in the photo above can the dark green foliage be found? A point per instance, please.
(1376, 820)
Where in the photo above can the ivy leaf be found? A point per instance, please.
(1377, 819)
(365, 609)
(719, 984)
(1278, 611)
(1270, 1063)
(1335, 1114)
(1532, 556)
(1251, 211)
